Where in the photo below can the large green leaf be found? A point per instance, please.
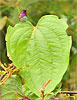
(10, 88)
(45, 48)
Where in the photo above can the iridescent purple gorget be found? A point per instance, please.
(23, 13)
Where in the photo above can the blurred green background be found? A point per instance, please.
(66, 9)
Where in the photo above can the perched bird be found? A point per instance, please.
(23, 16)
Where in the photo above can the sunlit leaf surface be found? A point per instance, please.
(45, 48)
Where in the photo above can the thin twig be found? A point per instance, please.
(9, 3)
(68, 92)
(2, 66)
(5, 2)
(26, 98)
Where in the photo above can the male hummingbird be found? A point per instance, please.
(23, 16)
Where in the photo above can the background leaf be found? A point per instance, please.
(3, 22)
(13, 85)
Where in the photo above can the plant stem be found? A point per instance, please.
(5, 2)
(68, 92)
(42, 98)
(0, 93)
(26, 98)
(18, 9)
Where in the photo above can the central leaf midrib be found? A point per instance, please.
(47, 43)
(38, 58)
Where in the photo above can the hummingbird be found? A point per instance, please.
(23, 16)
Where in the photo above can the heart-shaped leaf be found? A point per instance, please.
(45, 48)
